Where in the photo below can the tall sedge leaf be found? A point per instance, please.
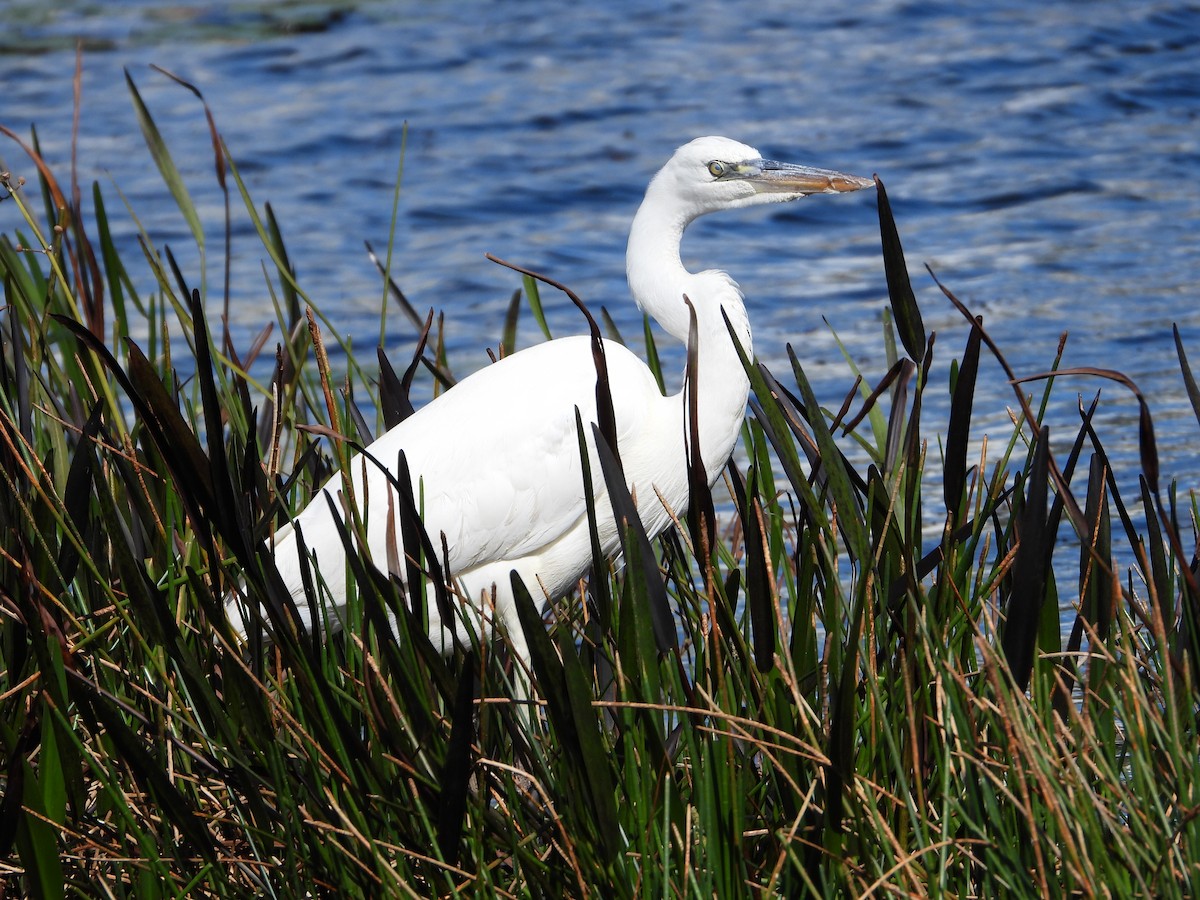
(1160, 572)
(1097, 586)
(611, 331)
(20, 379)
(915, 453)
(958, 431)
(1189, 380)
(599, 587)
(1024, 609)
(508, 340)
(893, 453)
(225, 509)
(166, 165)
(1095, 590)
(404, 401)
(652, 358)
(606, 418)
(287, 283)
(393, 399)
(701, 514)
(52, 774)
(760, 601)
(843, 683)
(77, 493)
(219, 171)
(457, 769)
(37, 842)
(118, 279)
(900, 292)
(535, 304)
(19, 744)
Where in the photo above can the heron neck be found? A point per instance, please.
(659, 282)
(657, 278)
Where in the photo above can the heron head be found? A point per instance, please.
(715, 173)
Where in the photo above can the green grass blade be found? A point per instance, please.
(166, 165)
(535, 304)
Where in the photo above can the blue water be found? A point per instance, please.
(1042, 158)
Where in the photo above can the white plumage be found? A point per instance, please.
(495, 460)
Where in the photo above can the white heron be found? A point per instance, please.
(496, 461)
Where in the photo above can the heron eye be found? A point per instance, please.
(716, 168)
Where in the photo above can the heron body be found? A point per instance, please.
(495, 461)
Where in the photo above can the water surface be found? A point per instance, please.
(1041, 158)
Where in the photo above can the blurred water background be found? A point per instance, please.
(1042, 158)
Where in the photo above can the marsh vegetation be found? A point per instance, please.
(799, 695)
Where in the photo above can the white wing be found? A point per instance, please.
(495, 461)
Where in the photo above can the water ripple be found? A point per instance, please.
(1042, 157)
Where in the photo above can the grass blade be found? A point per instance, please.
(1023, 611)
(900, 292)
(1189, 381)
(959, 428)
(166, 165)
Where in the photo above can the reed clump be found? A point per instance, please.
(839, 708)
